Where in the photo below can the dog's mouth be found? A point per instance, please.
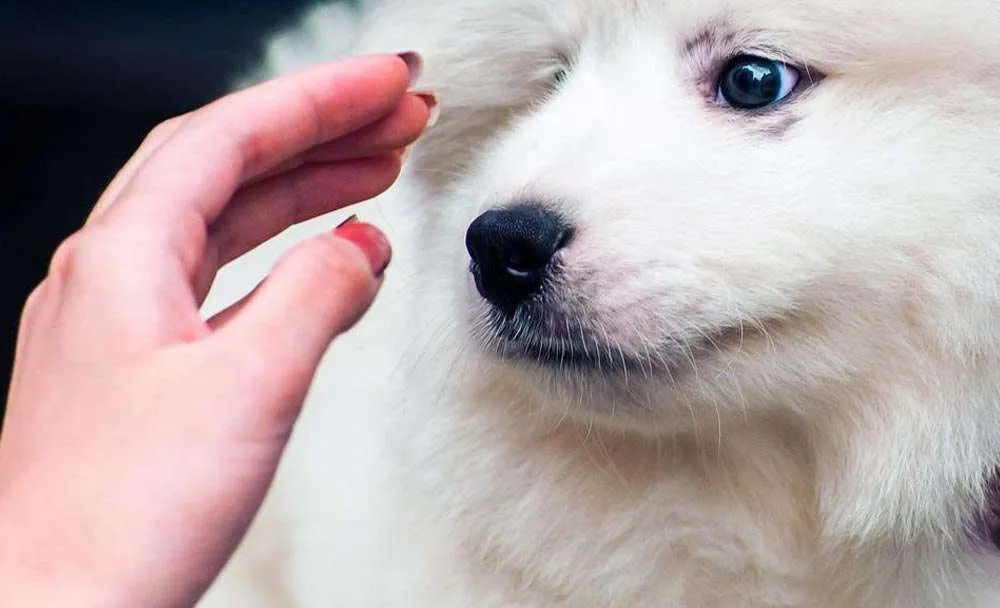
(582, 353)
(534, 333)
(558, 341)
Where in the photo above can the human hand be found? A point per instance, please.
(141, 439)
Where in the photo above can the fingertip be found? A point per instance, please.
(370, 241)
(432, 106)
(414, 66)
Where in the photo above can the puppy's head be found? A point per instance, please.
(678, 203)
(678, 213)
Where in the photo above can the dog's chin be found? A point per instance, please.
(574, 375)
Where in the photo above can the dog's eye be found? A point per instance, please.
(560, 76)
(750, 83)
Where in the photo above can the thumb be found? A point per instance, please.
(317, 291)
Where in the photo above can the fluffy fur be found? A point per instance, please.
(810, 294)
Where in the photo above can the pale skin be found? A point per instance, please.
(140, 438)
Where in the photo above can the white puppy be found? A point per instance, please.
(694, 303)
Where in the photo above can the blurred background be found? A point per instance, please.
(81, 83)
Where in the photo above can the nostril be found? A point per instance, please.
(518, 268)
(526, 260)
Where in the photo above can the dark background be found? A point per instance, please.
(81, 83)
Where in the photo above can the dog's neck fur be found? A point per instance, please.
(547, 507)
(589, 514)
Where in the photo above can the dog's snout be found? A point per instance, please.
(512, 250)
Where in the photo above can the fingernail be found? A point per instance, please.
(432, 106)
(352, 218)
(369, 240)
(415, 64)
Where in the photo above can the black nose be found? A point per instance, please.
(512, 252)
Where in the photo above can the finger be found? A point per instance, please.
(278, 334)
(241, 136)
(266, 208)
(152, 142)
(399, 129)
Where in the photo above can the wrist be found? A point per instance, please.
(42, 566)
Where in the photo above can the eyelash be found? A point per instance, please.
(563, 67)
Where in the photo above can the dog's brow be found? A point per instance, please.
(713, 35)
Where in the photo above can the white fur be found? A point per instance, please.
(833, 452)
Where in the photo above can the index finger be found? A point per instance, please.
(221, 146)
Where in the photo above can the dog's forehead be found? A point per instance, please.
(843, 32)
(884, 16)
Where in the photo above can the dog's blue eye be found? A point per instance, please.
(749, 83)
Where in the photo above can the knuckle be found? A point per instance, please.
(66, 258)
(258, 149)
(253, 147)
(81, 252)
(254, 151)
(301, 191)
(162, 131)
